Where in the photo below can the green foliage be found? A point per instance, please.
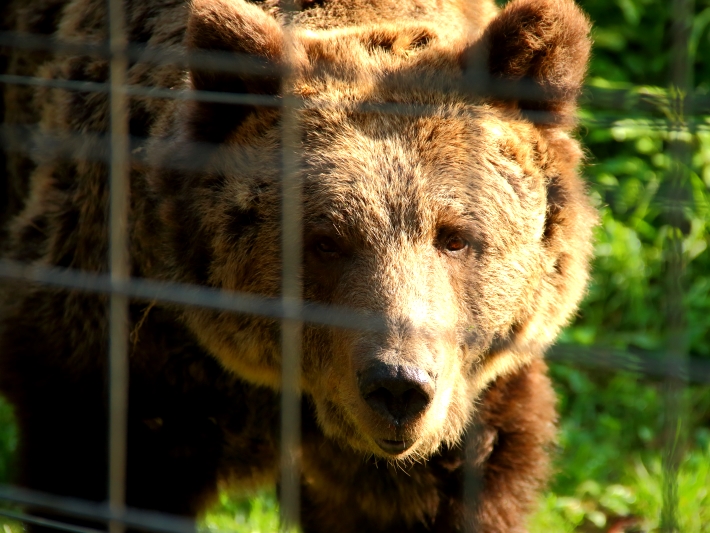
(636, 503)
(8, 461)
(610, 445)
(629, 167)
(8, 442)
(693, 488)
(625, 305)
(633, 40)
(604, 421)
(254, 515)
(609, 465)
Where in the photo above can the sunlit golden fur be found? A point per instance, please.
(384, 185)
(404, 144)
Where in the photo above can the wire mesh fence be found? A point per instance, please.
(677, 112)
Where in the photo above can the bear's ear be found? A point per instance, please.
(249, 46)
(536, 54)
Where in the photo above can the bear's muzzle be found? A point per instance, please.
(398, 395)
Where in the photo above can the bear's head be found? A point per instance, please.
(440, 194)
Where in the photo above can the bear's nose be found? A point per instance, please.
(398, 393)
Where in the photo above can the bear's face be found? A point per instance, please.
(428, 223)
(440, 212)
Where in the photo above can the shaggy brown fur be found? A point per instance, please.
(458, 219)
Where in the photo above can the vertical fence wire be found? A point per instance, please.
(679, 148)
(478, 82)
(118, 263)
(291, 293)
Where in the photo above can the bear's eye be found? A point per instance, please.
(327, 247)
(456, 243)
(452, 241)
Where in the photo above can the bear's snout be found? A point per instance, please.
(398, 394)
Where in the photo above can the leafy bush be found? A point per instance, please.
(628, 171)
(609, 463)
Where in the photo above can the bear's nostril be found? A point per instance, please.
(397, 393)
(401, 408)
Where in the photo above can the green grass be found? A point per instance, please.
(254, 515)
(636, 499)
(8, 454)
(609, 461)
(8, 441)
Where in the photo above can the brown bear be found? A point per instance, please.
(440, 193)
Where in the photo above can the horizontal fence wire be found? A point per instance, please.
(621, 100)
(603, 116)
(45, 522)
(32, 140)
(147, 92)
(641, 362)
(192, 295)
(94, 511)
(648, 363)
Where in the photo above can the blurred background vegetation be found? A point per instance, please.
(609, 459)
(611, 443)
